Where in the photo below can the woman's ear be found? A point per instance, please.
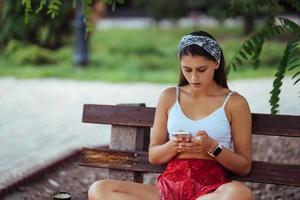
(217, 66)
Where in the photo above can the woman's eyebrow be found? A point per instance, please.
(203, 66)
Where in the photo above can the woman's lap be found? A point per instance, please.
(190, 178)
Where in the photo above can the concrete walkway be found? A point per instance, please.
(41, 119)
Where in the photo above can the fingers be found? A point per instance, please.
(191, 144)
(193, 147)
(183, 146)
(201, 133)
(180, 143)
(177, 144)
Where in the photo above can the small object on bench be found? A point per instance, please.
(128, 152)
(62, 196)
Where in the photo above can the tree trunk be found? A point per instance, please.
(248, 24)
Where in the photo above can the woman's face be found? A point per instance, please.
(198, 70)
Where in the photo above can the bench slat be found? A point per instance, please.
(279, 125)
(118, 115)
(263, 124)
(264, 172)
(261, 172)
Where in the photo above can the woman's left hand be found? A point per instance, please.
(201, 142)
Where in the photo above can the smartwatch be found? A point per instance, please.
(216, 151)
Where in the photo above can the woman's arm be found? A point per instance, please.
(160, 151)
(240, 160)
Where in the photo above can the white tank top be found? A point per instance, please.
(216, 125)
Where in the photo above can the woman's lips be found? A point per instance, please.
(196, 84)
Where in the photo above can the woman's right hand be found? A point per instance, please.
(178, 143)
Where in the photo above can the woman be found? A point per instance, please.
(218, 123)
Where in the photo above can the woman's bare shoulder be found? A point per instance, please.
(167, 97)
(238, 102)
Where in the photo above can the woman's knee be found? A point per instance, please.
(98, 188)
(239, 191)
(242, 191)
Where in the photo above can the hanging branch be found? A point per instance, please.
(252, 47)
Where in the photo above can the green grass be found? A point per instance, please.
(120, 55)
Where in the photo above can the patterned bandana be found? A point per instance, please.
(208, 44)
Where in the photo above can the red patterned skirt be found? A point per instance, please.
(190, 178)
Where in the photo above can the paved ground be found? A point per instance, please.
(41, 119)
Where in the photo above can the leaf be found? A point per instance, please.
(256, 64)
(277, 83)
(250, 44)
(243, 54)
(296, 81)
(28, 10)
(42, 3)
(294, 59)
(239, 61)
(293, 67)
(53, 8)
(247, 49)
(290, 25)
(234, 67)
(296, 74)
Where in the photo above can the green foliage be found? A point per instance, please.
(40, 30)
(28, 9)
(160, 9)
(174, 9)
(293, 62)
(42, 4)
(54, 6)
(290, 61)
(26, 54)
(252, 47)
(246, 8)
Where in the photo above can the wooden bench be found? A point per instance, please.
(127, 157)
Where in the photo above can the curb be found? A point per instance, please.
(34, 173)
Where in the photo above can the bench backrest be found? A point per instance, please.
(139, 119)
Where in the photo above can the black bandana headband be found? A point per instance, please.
(208, 44)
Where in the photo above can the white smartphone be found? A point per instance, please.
(182, 134)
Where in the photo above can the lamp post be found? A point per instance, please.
(81, 42)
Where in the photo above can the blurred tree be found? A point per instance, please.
(164, 9)
(175, 9)
(41, 31)
(213, 9)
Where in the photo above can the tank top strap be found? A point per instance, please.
(227, 98)
(177, 93)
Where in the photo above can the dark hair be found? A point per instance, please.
(220, 73)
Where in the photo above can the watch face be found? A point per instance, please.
(217, 151)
